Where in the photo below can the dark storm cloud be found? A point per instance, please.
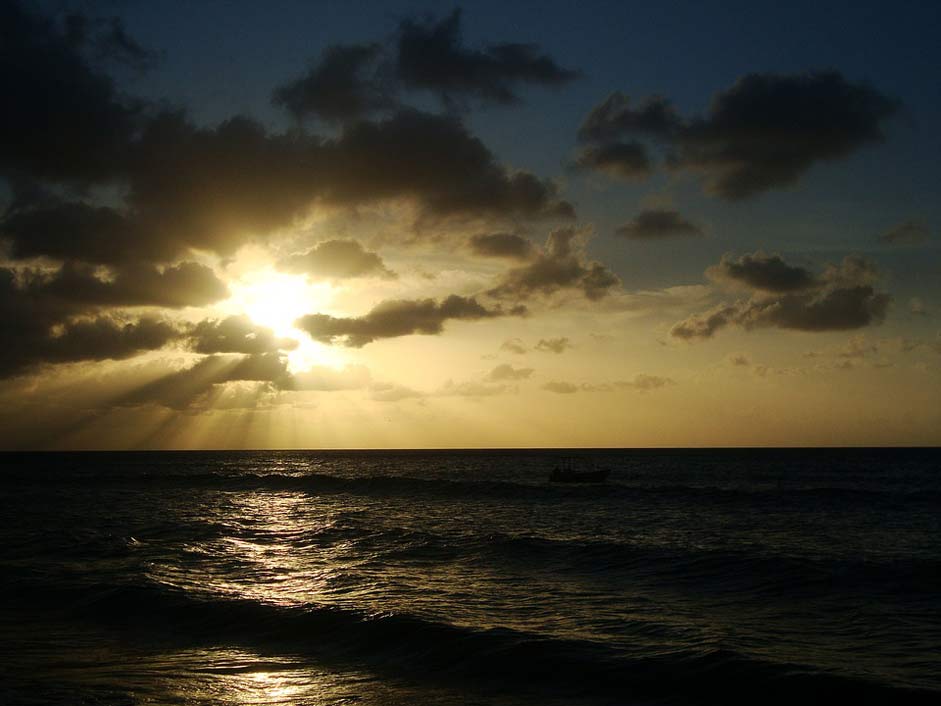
(560, 266)
(107, 39)
(337, 259)
(105, 338)
(235, 334)
(554, 345)
(400, 317)
(214, 188)
(354, 81)
(615, 117)
(908, 233)
(505, 372)
(39, 325)
(764, 132)
(75, 289)
(768, 273)
(61, 120)
(174, 286)
(656, 223)
(79, 231)
(627, 160)
(844, 298)
(345, 85)
(434, 160)
(116, 44)
(217, 188)
(508, 245)
(431, 55)
(62, 315)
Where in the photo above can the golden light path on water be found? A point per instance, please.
(269, 553)
(277, 549)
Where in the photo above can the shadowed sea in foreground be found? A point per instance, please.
(456, 577)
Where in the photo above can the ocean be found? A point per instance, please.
(465, 577)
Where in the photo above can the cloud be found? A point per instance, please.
(353, 81)
(431, 56)
(181, 187)
(389, 392)
(434, 160)
(214, 189)
(51, 89)
(513, 345)
(115, 44)
(79, 231)
(346, 84)
(908, 233)
(337, 259)
(843, 298)
(768, 273)
(176, 286)
(554, 345)
(646, 383)
(560, 266)
(614, 117)
(235, 334)
(67, 314)
(641, 383)
(184, 388)
(560, 388)
(764, 132)
(657, 223)
(858, 347)
(494, 383)
(507, 245)
(626, 160)
(471, 388)
(508, 372)
(40, 327)
(916, 306)
(109, 40)
(400, 317)
(103, 338)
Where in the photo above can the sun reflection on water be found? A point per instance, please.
(269, 548)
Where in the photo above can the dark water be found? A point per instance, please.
(464, 577)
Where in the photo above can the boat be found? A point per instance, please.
(567, 473)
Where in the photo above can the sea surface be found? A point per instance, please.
(691, 577)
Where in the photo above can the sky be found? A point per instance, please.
(396, 225)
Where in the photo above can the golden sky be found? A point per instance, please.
(415, 240)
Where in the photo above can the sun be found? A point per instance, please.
(276, 301)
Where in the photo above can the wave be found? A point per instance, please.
(622, 487)
(751, 574)
(717, 570)
(495, 658)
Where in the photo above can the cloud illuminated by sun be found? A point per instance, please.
(276, 300)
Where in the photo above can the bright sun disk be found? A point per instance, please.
(277, 301)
